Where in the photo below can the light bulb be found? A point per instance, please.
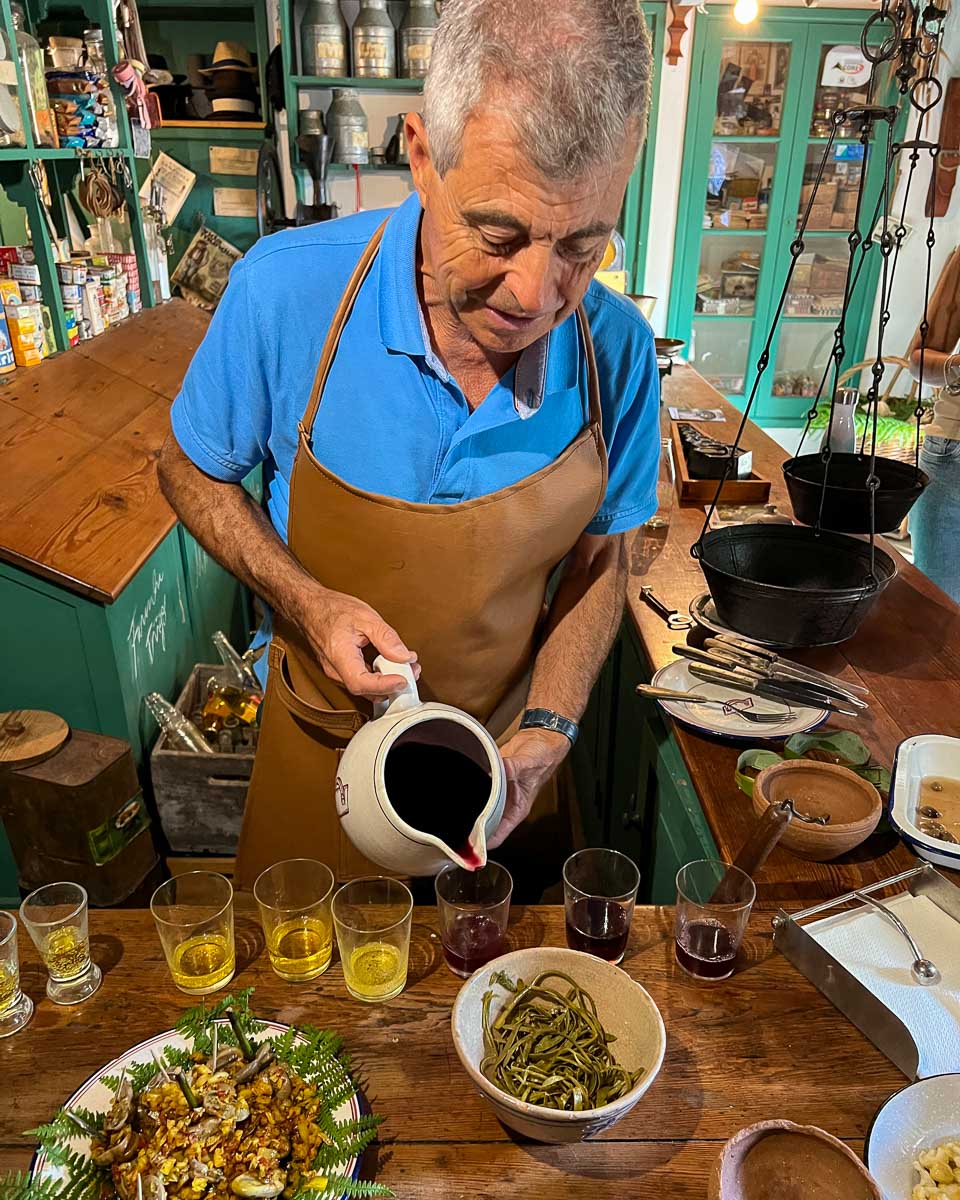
(745, 11)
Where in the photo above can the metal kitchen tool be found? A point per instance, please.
(673, 618)
(757, 718)
(722, 654)
(742, 680)
(757, 651)
(900, 1038)
(922, 969)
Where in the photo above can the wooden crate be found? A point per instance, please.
(752, 490)
(200, 797)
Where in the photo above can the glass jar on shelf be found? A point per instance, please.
(31, 63)
(11, 126)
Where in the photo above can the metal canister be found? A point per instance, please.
(323, 40)
(374, 42)
(417, 31)
(347, 128)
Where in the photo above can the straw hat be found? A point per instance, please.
(230, 56)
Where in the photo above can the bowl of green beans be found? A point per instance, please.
(560, 1044)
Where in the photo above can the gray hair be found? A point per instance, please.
(572, 76)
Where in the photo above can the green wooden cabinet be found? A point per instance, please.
(760, 105)
(633, 790)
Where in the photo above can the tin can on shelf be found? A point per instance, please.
(347, 128)
(323, 40)
(417, 31)
(374, 42)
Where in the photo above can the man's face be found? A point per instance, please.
(510, 252)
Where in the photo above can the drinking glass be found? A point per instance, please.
(372, 918)
(599, 893)
(713, 906)
(473, 908)
(56, 918)
(666, 488)
(294, 900)
(194, 917)
(16, 1009)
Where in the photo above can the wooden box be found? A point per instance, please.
(752, 490)
(200, 797)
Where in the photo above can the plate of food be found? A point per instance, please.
(729, 711)
(221, 1107)
(913, 1144)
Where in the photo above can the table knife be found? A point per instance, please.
(778, 663)
(773, 689)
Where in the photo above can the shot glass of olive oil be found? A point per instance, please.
(372, 917)
(294, 900)
(16, 1009)
(55, 916)
(193, 913)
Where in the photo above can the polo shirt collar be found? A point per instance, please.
(549, 365)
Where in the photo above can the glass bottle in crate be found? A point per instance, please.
(374, 42)
(11, 126)
(31, 63)
(323, 40)
(417, 31)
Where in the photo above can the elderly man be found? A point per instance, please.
(448, 409)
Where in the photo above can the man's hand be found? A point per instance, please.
(530, 758)
(339, 628)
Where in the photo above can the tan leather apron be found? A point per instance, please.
(463, 584)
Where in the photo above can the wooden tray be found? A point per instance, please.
(752, 490)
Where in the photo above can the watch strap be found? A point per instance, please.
(546, 718)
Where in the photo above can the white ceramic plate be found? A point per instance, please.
(925, 754)
(919, 1117)
(704, 612)
(726, 721)
(97, 1097)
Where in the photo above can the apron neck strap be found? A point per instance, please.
(345, 308)
(337, 325)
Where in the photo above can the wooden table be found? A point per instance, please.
(762, 1044)
(907, 653)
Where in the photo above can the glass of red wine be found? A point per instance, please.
(713, 907)
(599, 892)
(473, 908)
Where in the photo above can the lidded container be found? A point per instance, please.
(347, 128)
(323, 40)
(374, 42)
(31, 63)
(417, 31)
(11, 126)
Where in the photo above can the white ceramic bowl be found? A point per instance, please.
(625, 1009)
(925, 754)
(918, 1117)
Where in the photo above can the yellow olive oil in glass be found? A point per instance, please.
(9, 985)
(65, 952)
(203, 963)
(375, 971)
(55, 915)
(301, 947)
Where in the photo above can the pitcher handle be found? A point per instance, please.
(408, 698)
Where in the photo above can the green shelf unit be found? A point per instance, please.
(364, 85)
(803, 38)
(208, 131)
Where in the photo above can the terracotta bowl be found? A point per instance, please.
(728, 1181)
(819, 789)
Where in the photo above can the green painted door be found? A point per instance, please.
(757, 127)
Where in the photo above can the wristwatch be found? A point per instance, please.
(546, 718)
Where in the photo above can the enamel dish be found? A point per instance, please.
(921, 1116)
(917, 757)
(704, 612)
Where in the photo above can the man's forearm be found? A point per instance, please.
(584, 618)
(234, 530)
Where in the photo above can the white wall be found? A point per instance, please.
(906, 308)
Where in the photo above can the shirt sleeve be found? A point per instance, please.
(222, 415)
(633, 447)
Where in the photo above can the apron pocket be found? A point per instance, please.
(340, 722)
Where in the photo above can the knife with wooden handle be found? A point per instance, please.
(745, 681)
(775, 663)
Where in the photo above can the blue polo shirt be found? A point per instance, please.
(392, 420)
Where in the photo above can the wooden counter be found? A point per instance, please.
(907, 653)
(763, 1044)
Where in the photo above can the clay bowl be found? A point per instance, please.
(729, 1179)
(819, 789)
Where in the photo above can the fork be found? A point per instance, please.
(755, 718)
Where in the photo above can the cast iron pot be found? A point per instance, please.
(789, 584)
(846, 505)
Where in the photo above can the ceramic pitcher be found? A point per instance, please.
(364, 806)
